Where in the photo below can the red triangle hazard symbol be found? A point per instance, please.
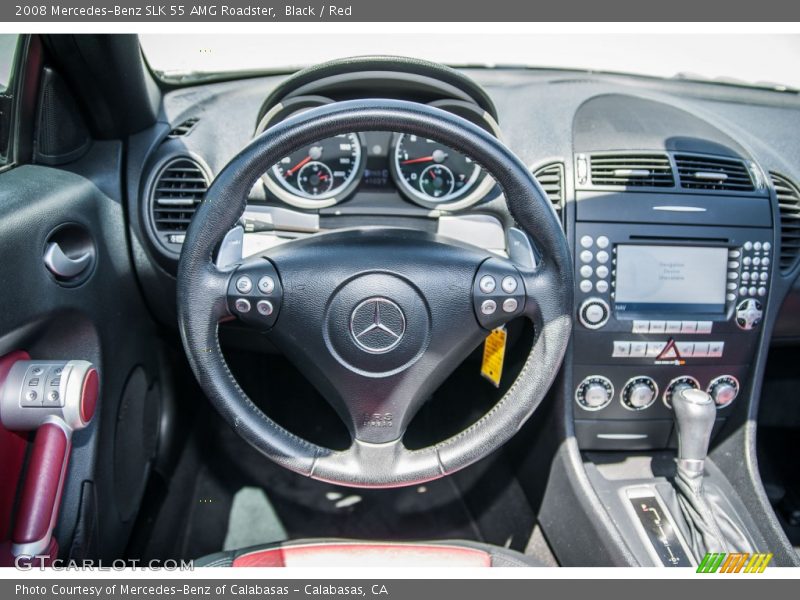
(669, 352)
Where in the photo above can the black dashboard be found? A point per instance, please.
(680, 201)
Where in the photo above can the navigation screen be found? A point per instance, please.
(677, 278)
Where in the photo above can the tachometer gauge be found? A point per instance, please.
(323, 171)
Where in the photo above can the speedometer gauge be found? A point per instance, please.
(436, 176)
(433, 172)
(322, 170)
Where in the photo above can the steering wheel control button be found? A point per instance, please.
(258, 303)
(264, 307)
(242, 305)
(587, 241)
(509, 305)
(594, 313)
(509, 284)
(488, 307)
(266, 285)
(505, 301)
(594, 393)
(602, 242)
(244, 285)
(639, 393)
(586, 256)
(488, 284)
(378, 325)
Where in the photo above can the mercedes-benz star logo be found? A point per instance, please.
(377, 325)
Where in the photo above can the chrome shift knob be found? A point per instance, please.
(695, 412)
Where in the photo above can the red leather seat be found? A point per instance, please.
(332, 553)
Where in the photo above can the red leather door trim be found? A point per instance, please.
(364, 554)
(44, 480)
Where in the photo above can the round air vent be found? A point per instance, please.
(177, 189)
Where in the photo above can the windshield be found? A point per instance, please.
(763, 60)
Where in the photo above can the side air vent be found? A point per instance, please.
(184, 128)
(789, 204)
(707, 173)
(551, 178)
(180, 186)
(631, 170)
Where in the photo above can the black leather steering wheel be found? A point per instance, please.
(376, 318)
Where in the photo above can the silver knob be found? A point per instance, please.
(723, 390)
(595, 395)
(594, 313)
(594, 392)
(639, 393)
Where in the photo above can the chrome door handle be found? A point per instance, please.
(61, 265)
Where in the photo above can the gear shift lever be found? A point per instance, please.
(710, 528)
(695, 412)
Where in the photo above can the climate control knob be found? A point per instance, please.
(639, 393)
(684, 382)
(723, 390)
(594, 313)
(594, 392)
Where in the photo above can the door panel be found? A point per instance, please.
(100, 318)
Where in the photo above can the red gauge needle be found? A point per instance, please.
(413, 161)
(291, 171)
(433, 175)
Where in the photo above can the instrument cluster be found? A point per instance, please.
(332, 170)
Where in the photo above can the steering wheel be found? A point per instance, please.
(376, 318)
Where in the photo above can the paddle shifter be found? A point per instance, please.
(710, 528)
(53, 398)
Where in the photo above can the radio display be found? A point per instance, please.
(671, 278)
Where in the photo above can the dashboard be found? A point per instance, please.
(679, 200)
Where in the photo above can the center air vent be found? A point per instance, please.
(180, 186)
(551, 178)
(707, 173)
(631, 170)
(789, 204)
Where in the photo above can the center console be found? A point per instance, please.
(673, 241)
(662, 308)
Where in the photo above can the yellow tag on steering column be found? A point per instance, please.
(494, 353)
